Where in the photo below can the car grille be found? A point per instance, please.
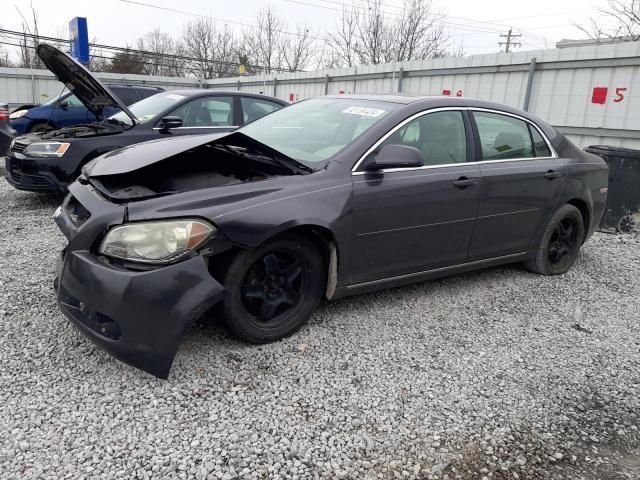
(18, 147)
(76, 211)
(26, 180)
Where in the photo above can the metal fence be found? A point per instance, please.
(590, 93)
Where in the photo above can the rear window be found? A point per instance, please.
(128, 96)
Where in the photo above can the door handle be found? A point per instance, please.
(464, 182)
(551, 174)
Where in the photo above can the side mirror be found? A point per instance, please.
(396, 156)
(63, 105)
(167, 123)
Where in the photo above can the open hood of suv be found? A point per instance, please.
(89, 90)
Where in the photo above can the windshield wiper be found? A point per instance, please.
(115, 121)
(293, 166)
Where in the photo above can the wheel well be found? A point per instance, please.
(35, 123)
(584, 211)
(321, 237)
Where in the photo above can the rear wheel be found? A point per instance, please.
(273, 289)
(560, 243)
(40, 127)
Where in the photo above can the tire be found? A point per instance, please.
(40, 127)
(626, 224)
(560, 243)
(273, 289)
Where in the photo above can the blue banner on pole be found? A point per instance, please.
(79, 35)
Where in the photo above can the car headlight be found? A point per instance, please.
(18, 114)
(163, 241)
(47, 149)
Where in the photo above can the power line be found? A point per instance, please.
(134, 51)
(220, 20)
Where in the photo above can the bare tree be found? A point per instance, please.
(343, 41)
(98, 61)
(298, 49)
(4, 58)
(625, 15)
(214, 51)
(30, 38)
(418, 32)
(375, 34)
(367, 34)
(163, 58)
(264, 43)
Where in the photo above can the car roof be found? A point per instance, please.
(436, 101)
(194, 92)
(129, 85)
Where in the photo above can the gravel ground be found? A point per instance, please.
(498, 374)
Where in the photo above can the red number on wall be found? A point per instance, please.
(619, 94)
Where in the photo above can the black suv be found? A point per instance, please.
(50, 161)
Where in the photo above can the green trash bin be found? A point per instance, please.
(622, 212)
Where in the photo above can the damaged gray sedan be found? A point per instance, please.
(325, 198)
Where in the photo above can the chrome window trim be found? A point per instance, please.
(354, 169)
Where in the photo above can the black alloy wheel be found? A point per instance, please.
(560, 244)
(273, 285)
(274, 288)
(564, 241)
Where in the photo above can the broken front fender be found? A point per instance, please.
(139, 317)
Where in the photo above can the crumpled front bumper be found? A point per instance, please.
(138, 316)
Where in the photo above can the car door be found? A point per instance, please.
(409, 220)
(522, 179)
(210, 114)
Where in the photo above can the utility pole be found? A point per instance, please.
(509, 43)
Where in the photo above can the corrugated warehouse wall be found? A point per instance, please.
(590, 93)
(19, 86)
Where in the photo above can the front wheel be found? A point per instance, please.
(273, 289)
(560, 243)
(41, 127)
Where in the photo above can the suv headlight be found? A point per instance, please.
(163, 241)
(47, 149)
(18, 114)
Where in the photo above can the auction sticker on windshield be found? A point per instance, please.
(364, 111)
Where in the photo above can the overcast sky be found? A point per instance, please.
(475, 24)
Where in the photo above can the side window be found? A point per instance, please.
(128, 96)
(254, 108)
(503, 137)
(540, 147)
(440, 137)
(72, 101)
(206, 112)
(146, 92)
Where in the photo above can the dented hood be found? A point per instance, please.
(135, 157)
(89, 90)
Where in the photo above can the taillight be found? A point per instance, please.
(4, 114)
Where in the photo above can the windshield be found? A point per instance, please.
(314, 130)
(71, 99)
(148, 109)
